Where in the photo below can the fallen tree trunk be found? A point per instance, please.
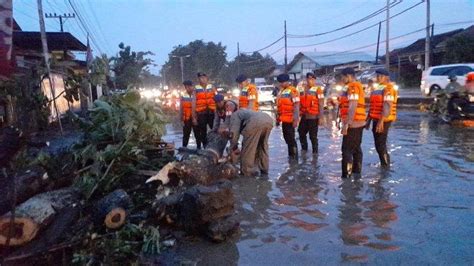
(29, 184)
(112, 210)
(201, 209)
(199, 166)
(34, 215)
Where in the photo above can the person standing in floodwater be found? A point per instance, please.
(288, 114)
(185, 112)
(203, 108)
(352, 113)
(382, 111)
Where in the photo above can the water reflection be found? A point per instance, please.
(298, 202)
(351, 222)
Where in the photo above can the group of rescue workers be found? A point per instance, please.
(300, 108)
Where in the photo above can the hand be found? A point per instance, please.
(195, 122)
(236, 152)
(295, 123)
(277, 124)
(322, 121)
(344, 129)
(222, 130)
(379, 128)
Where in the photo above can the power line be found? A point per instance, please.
(266, 47)
(373, 14)
(356, 32)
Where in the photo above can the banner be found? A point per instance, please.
(6, 38)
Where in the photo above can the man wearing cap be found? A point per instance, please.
(185, 112)
(383, 111)
(248, 98)
(203, 108)
(353, 117)
(312, 103)
(255, 127)
(224, 110)
(288, 113)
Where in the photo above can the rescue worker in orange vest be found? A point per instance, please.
(288, 114)
(312, 103)
(353, 117)
(248, 98)
(185, 112)
(383, 111)
(203, 108)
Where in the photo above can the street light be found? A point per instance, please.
(181, 62)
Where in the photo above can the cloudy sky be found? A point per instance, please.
(158, 26)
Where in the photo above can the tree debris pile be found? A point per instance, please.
(93, 204)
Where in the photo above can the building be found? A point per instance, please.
(407, 62)
(326, 62)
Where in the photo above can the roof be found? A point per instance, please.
(332, 58)
(16, 27)
(419, 45)
(57, 41)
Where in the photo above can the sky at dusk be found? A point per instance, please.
(158, 26)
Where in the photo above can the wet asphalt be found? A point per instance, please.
(418, 213)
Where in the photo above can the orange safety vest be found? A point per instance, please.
(382, 93)
(205, 98)
(285, 102)
(352, 91)
(310, 101)
(249, 93)
(186, 103)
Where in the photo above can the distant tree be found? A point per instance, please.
(459, 49)
(128, 66)
(253, 66)
(100, 71)
(207, 57)
(149, 79)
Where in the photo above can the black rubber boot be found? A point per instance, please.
(346, 169)
(293, 152)
(315, 147)
(385, 161)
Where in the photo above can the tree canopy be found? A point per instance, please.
(459, 49)
(128, 66)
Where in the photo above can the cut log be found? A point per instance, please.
(200, 208)
(112, 210)
(35, 215)
(28, 184)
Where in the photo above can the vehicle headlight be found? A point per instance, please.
(338, 88)
(236, 92)
(395, 87)
(423, 82)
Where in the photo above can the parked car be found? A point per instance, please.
(435, 79)
(265, 94)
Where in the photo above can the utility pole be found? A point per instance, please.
(181, 63)
(46, 60)
(378, 44)
(238, 59)
(427, 38)
(387, 38)
(61, 17)
(286, 51)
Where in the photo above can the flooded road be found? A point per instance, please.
(421, 211)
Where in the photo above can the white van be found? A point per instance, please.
(436, 78)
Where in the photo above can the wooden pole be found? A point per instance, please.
(387, 38)
(378, 44)
(286, 51)
(427, 38)
(46, 60)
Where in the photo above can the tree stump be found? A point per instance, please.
(34, 215)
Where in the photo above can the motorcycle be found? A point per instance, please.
(455, 108)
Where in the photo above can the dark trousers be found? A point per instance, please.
(308, 126)
(188, 126)
(204, 119)
(380, 140)
(352, 152)
(289, 136)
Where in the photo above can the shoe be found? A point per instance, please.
(385, 161)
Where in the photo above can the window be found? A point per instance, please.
(460, 71)
(441, 71)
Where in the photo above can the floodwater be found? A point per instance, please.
(420, 212)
